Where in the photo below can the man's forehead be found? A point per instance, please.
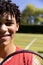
(5, 20)
(6, 16)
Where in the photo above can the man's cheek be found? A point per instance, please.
(13, 31)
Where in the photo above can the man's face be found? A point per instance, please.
(8, 28)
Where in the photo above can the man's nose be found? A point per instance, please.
(3, 28)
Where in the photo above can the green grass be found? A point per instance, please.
(22, 40)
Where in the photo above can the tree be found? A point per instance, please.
(31, 15)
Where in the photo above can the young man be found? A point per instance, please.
(9, 25)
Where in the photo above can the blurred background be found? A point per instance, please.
(30, 34)
(32, 15)
(32, 11)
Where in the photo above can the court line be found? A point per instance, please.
(28, 46)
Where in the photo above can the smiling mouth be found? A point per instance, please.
(4, 35)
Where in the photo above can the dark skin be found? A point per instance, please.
(8, 29)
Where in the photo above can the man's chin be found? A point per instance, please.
(4, 42)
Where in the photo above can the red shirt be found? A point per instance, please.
(19, 59)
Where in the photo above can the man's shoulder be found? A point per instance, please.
(18, 48)
(26, 55)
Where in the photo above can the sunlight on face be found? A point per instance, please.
(8, 28)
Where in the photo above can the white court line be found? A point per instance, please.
(28, 46)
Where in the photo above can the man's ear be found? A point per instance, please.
(17, 26)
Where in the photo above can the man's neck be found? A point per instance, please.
(5, 51)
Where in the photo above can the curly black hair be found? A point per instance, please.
(8, 6)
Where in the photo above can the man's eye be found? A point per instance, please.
(0, 23)
(8, 23)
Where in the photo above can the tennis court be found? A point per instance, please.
(30, 42)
